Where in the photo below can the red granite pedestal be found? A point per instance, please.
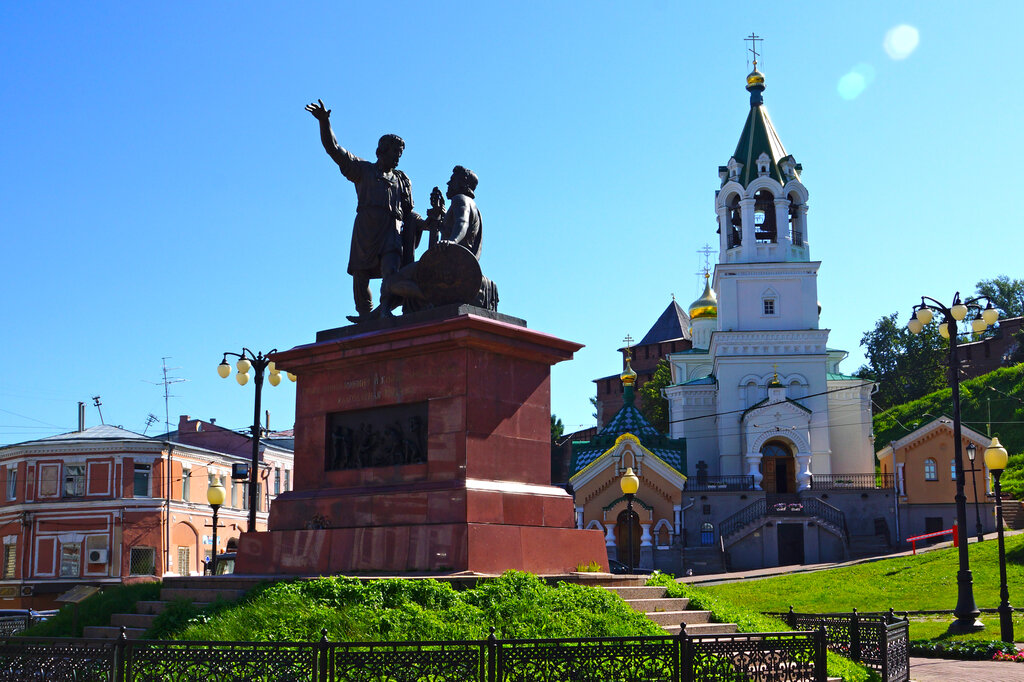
(482, 500)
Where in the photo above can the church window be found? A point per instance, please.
(931, 470)
(769, 306)
(765, 229)
(751, 394)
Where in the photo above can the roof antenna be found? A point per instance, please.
(150, 420)
(166, 382)
(97, 403)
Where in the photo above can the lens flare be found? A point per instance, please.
(901, 41)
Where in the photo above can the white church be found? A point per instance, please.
(779, 466)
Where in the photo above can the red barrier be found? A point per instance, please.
(952, 531)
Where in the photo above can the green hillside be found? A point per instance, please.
(1005, 388)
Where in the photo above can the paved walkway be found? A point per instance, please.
(943, 670)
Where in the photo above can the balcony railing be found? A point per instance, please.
(712, 483)
(852, 482)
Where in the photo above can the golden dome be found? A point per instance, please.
(706, 305)
(755, 78)
(628, 376)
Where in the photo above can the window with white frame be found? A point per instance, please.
(277, 481)
(768, 306)
(70, 559)
(186, 484)
(287, 480)
(234, 495)
(143, 473)
(74, 480)
(931, 470)
(12, 483)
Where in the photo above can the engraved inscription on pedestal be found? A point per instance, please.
(378, 437)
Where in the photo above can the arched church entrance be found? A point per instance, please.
(628, 555)
(778, 467)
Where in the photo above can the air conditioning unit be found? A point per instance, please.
(97, 556)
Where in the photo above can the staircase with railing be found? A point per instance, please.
(757, 512)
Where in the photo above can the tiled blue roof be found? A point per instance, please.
(709, 380)
(629, 420)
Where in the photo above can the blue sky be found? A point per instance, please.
(164, 194)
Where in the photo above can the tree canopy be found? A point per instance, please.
(906, 366)
(653, 405)
(1004, 293)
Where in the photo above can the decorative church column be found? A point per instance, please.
(646, 547)
(579, 517)
(609, 542)
(747, 216)
(677, 520)
(723, 229)
(801, 223)
(754, 468)
(782, 221)
(803, 475)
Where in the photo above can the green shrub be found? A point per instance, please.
(967, 650)
(518, 605)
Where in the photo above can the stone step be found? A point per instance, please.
(664, 618)
(133, 620)
(659, 604)
(200, 595)
(704, 629)
(111, 632)
(157, 607)
(627, 593)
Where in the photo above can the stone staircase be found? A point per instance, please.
(862, 546)
(669, 612)
(200, 590)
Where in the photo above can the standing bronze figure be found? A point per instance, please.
(386, 229)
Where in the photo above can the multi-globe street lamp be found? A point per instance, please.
(260, 364)
(966, 610)
(995, 460)
(215, 496)
(629, 483)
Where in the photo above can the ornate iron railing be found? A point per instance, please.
(712, 483)
(826, 512)
(879, 641)
(876, 481)
(12, 625)
(752, 512)
(777, 656)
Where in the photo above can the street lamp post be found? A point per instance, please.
(966, 610)
(215, 496)
(260, 363)
(629, 483)
(995, 460)
(972, 452)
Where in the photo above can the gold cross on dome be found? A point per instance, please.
(753, 38)
(628, 340)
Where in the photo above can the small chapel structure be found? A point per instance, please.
(779, 466)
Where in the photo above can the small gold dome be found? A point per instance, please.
(628, 376)
(755, 78)
(706, 305)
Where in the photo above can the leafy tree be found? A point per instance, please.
(593, 404)
(653, 405)
(557, 428)
(906, 366)
(1005, 293)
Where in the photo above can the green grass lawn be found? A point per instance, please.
(914, 583)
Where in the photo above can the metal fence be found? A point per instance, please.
(757, 657)
(876, 481)
(879, 641)
(12, 625)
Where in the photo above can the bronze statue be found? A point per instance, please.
(449, 272)
(386, 229)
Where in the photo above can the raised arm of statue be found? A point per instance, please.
(345, 159)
